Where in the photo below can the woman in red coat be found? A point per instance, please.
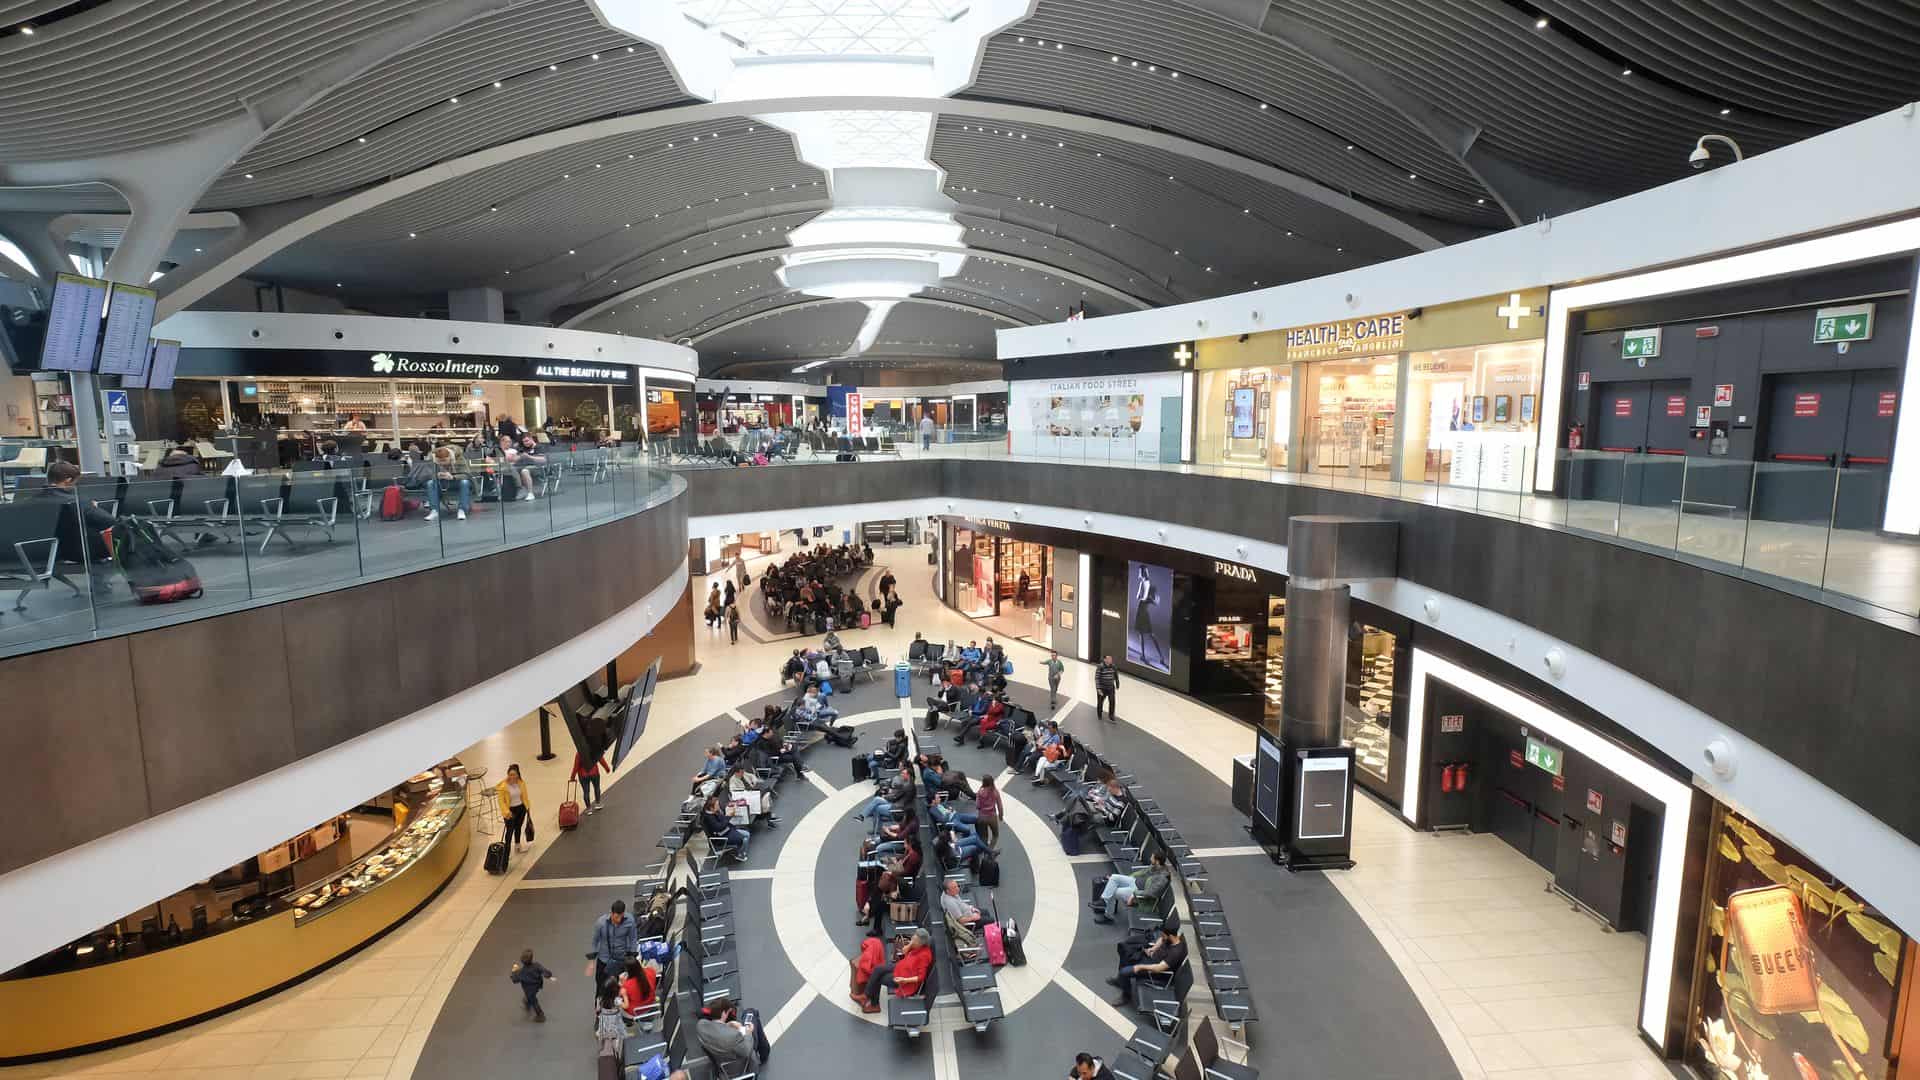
(587, 772)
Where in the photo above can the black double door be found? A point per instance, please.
(1642, 417)
(1817, 422)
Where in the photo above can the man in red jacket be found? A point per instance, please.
(905, 974)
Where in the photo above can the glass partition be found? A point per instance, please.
(108, 555)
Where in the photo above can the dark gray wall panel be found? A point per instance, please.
(215, 708)
(72, 749)
(340, 666)
(178, 713)
(1828, 690)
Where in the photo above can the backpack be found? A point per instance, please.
(153, 571)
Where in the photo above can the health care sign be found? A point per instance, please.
(1372, 335)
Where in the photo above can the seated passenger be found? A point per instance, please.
(517, 466)
(1167, 953)
(950, 697)
(984, 706)
(714, 822)
(443, 476)
(905, 974)
(728, 1040)
(1085, 1067)
(955, 908)
(1051, 758)
(1038, 740)
(1123, 888)
(637, 983)
(815, 710)
(713, 768)
(794, 670)
(822, 670)
(894, 794)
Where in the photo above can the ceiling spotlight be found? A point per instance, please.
(1413, 176)
(629, 48)
(553, 67)
(1043, 41)
(1480, 201)
(1724, 110)
(413, 236)
(495, 208)
(337, 285)
(1057, 45)
(453, 101)
(1263, 106)
(1176, 74)
(27, 30)
(1153, 67)
(596, 56)
(249, 176)
(1023, 41)
(362, 138)
(1624, 72)
(1540, 23)
(496, 84)
(1113, 59)
(570, 251)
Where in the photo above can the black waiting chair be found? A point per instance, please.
(1206, 1051)
(913, 1014)
(30, 546)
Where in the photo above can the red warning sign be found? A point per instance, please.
(1623, 406)
(1806, 404)
(1677, 405)
(1888, 399)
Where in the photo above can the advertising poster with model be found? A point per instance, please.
(1150, 616)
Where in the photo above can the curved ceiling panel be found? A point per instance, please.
(1536, 95)
(820, 331)
(554, 65)
(135, 73)
(1776, 56)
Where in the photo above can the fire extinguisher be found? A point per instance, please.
(1576, 435)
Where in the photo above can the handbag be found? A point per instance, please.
(904, 911)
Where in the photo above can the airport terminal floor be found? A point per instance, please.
(1436, 955)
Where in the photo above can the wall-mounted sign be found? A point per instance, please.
(356, 364)
(1623, 406)
(1235, 570)
(1806, 404)
(1559, 783)
(1887, 401)
(1542, 756)
(1676, 405)
(1349, 337)
(1853, 322)
(1514, 759)
(1702, 416)
(1640, 344)
(855, 421)
(1723, 395)
(1453, 725)
(1594, 801)
(1586, 380)
(1618, 834)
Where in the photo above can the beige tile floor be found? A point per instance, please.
(1489, 954)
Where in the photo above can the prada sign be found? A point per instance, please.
(1235, 570)
(359, 364)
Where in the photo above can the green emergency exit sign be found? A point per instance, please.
(1542, 756)
(1853, 322)
(1640, 344)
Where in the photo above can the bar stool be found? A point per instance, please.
(481, 805)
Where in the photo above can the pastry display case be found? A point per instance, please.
(437, 812)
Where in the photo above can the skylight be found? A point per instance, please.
(827, 27)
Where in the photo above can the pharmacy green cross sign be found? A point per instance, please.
(1854, 322)
(1640, 344)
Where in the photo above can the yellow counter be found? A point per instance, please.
(74, 1010)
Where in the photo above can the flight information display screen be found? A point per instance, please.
(73, 323)
(123, 344)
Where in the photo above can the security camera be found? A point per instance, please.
(1701, 155)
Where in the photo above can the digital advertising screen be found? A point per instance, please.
(1244, 402)
(634, 723)
(1266, 781)
(1149, 615)
(23, 335)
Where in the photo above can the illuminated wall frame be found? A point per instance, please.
(1894, 238)
(1674, 796)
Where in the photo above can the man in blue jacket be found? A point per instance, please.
(616, 939)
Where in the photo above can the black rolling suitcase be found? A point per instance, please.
(497, 857)
(862, 768)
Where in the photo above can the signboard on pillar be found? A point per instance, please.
(856, 423)
(1320, 810)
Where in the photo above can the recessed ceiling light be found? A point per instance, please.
(1624, 72)
(495, 208)
(1176, 74)
(1153, 67)
(413, 236)
(363, 138)
(1349, 146)
(553, 67)
(570, 251)
(27, 30)
(629, 48)
(1043, 41)
(197, 251)
(1724, 111)
(596, 56)
(453, 101)
(1413, 176)
(1540, 23)
(1480, 202)
(1114, 59)
(249, 176)
(1057, 45)
(1136, 63)
(337, 285)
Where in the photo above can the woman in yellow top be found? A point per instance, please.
(515, 807)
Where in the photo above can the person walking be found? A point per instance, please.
(926, 431)
(587, 768)
(733, 622)
(1055, 668)
(515, 807)
(1106, 680)
(531, 976)
(715, 609)
(986, 812)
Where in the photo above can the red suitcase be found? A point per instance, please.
(570, 809)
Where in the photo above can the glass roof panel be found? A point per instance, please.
(827, 27)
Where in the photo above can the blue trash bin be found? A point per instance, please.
(902, 680)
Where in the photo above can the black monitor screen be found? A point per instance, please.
(23, 333)
(634, 723)
(1266, 781)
